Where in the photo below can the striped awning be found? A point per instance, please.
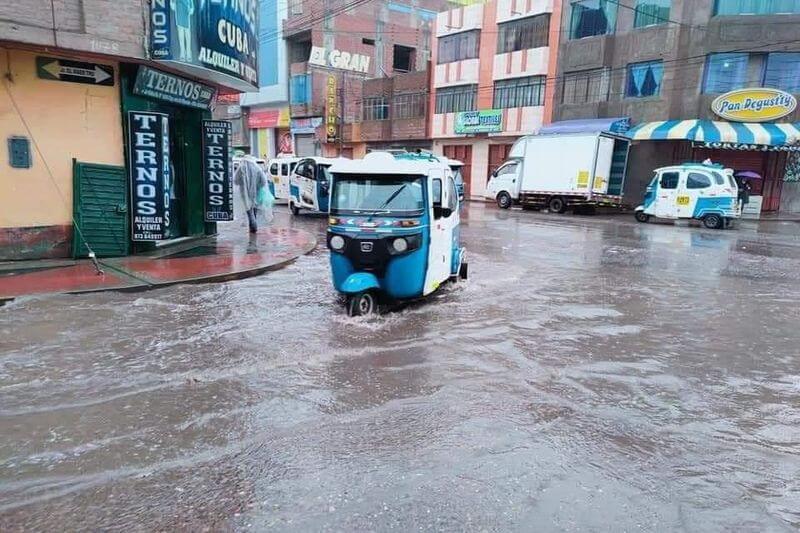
(712, 131)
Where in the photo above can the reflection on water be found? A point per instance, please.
(593, 374)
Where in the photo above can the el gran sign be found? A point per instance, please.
(341, 60)
(759, 104)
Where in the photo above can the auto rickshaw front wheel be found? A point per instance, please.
(362, 304)
(642, 217)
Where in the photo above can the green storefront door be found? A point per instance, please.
(100, 207)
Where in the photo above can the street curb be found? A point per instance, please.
(144, 285)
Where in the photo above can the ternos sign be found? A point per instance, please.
(148, 145)
(220, 36)
(217, 170)
(337, 59)
(758, 104)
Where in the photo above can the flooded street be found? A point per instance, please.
(592, 375)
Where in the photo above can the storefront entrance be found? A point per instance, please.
(186, 186)
(769, 165)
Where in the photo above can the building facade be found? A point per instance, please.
(664, 63)
(490, 83)
(266, 112)
(333, 48)
(106, 130)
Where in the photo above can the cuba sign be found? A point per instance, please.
(758, 104)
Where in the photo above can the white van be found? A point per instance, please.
(279, 170)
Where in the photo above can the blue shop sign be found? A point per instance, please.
(218, 37)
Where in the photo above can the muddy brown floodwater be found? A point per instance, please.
(592, 375)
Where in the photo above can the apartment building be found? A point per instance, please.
(491, 82)
(679, 69)
(333, 48)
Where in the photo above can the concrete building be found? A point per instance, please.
(492, 62)
(663, 63)
(333, 47)
(266, 112)
(103, 131)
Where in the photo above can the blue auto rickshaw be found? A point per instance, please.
(393, 231)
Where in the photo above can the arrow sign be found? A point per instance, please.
(50, 68)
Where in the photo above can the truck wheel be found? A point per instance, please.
(362, 304)
(463, 271)
(642, 217)
(294, 209)
(713, 221)
(557, 205)
(504, 200)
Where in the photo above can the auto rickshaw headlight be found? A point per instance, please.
(337, 242)
(400, 245)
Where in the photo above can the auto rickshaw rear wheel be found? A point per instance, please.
(713, 221)
(642, 217)
(463, 270)
(362, 304)
(294, 209)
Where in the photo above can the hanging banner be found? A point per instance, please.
(173, 89)
(148, 161)
(331, 110)
(220, 37)
(217, 171)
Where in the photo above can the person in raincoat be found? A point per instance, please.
(251, 180)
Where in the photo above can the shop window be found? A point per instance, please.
(455, 99)
(593, 17)
(458, 47)
(725, 72)
(586, 86)
(301, 89)
(403, 58)
(644, 79)
(522, 34)
(783, 71)
(757, 7)
(376, 108)
(651, 12)
(407, 106)
(669, 180)
(519, 92)
(697, 181)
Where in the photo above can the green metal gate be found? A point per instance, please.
(100, 207)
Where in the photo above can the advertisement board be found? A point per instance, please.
(217, 171)
(331, 110)
(148, 157)
(759, 104)
(484, 121)
(218, 36)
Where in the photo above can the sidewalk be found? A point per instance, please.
(233, 254)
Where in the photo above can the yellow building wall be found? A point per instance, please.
(67, 120)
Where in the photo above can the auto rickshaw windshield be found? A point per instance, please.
(369, 194)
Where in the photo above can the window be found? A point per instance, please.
(377, 193)
(458, 47)
(757, 7)
(783, 71)
(522, 34)
(368, 42)
(718, 178)
(436, 191)
(403, 58)
(301, 89)
(299, 52)
(697, 181)
(285, 169)
(651, 12)
(509, 169)
(452, 200)
(409, 105)
(669, 180)
(454, 99)
(376, 108)
(644, 79)
(725, 72)
(296, 7)
(519, 92)
(273, 169)
(585, 86)
(592, 17)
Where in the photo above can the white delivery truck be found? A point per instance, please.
(562, 171)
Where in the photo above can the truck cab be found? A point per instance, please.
(505, 183)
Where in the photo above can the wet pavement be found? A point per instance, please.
(592, 375)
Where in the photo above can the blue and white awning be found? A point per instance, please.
(720, 133)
